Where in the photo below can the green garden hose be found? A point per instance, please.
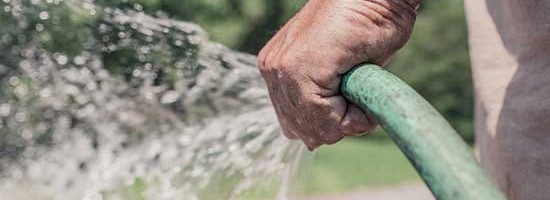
(440, 156)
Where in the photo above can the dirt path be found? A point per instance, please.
(411, 191)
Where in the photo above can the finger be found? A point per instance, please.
(323, 115)
(333, 140)
(356, 122)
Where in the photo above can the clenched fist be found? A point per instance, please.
(303, 63)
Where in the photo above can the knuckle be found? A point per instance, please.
(287, 60)
(264, 70)
(264, 67)
(262, 57)
(261, 61)
(284, 64)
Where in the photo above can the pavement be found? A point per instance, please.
(409, 191)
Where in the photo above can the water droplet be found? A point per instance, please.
(14, 81)
(169, 97)
(7, 8)
(20, 117)
(61, 59)
(44, 15)
(42, 127)
(121, 34)
(105, 38)
(21, 90)
(39, 27)
(25, 64)
(141, 58)
(138, 7)
(148, 66)
(6, 38)
(136, 73)
(26, 134)
(91, 86)
(45, 93)
(145, 49)
(177, 169)
(149, 95)
(79, 60)
(111, 47)
(5, 110)
(7, 1)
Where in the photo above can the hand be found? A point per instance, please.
(303, 63)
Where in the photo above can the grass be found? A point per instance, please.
(358, 163)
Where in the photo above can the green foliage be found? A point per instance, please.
(436, 63)
(241, 24)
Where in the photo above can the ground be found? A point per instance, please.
(358, 163)
(370, 168)
(409, 191)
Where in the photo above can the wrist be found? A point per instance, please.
(413, 3)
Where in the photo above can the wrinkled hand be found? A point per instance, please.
(303, 63)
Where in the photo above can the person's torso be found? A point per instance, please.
(510, 51)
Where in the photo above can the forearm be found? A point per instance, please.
(413, 3)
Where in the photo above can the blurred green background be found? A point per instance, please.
(435, 62)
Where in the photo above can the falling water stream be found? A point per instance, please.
(99, 100)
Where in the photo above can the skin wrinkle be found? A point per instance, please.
(303, 63)
(381, 12)
(398, 9)
(323, 87)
